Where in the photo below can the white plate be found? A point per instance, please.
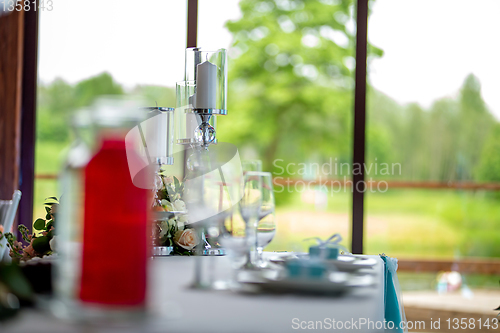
(336, 284)
(350, 263)
(344, 263)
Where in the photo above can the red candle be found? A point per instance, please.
(115, 249)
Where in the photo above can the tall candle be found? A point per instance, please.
(156, 134)
(206, 82)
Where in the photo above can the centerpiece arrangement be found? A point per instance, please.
(199, 98)
(172, 232)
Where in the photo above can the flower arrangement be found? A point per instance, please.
(174, 232)
(40, 245)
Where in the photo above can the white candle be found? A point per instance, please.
(206, 82)
(156, 134)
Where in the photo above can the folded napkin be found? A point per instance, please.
(393, 304)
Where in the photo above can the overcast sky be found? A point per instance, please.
(430, 46)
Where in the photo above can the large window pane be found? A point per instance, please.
(433, 112)
(98, 48)
(290, 104)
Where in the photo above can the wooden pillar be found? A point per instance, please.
(192, 23)
(28, 117)
(358, 154)
(11, 61)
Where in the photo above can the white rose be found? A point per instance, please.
(186, 239)
(179, 205)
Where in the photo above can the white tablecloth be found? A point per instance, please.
(189, 310)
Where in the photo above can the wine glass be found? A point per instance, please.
(250, 203)
(266, 225)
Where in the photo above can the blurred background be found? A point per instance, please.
(433, 131)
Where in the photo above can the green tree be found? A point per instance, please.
(87, 90)
(58, 100)
(443, 143)
(475, 126)
(489, 164)
(290, 86)
(55, 100)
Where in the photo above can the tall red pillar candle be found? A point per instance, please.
(115, 250)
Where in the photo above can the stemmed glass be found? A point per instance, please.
(250, 203)
(266, 225)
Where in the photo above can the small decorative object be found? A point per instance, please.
(328, 249)
(41, 244)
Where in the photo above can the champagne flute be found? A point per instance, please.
(266, 225)
(251, 200)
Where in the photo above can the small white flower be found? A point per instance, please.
(179, 205)
(172, 222)
(53, 244)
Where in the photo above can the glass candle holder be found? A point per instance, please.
(157, 135)
(208, 69)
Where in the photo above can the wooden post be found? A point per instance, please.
(358, 153)
(28, 117)
(192, 23)
(11, 61)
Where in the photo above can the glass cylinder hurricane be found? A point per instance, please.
(157, 135)
(208, 69)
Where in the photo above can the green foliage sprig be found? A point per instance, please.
(171, 190)
(39, 245)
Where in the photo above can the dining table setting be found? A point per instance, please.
(161, 227)
(259, 303)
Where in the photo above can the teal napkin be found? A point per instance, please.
(394, 310)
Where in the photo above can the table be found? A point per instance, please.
(189, 310)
